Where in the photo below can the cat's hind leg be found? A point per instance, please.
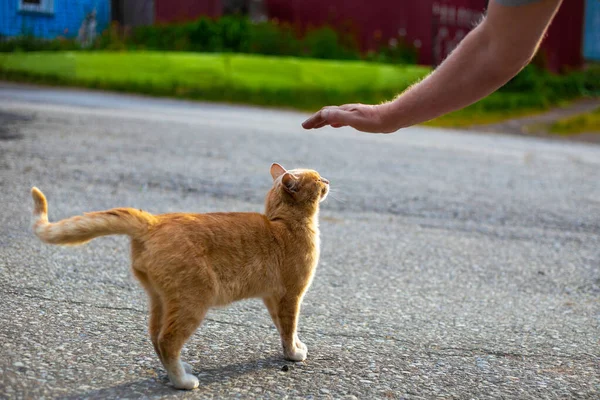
(156, 309)
(180, 320)
(187, 367)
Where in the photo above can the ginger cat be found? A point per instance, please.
(188, 263)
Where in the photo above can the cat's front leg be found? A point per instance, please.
(300, 345)
(288, 311)
(187, 367)
(272, 305)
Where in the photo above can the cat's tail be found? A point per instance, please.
(81, 229)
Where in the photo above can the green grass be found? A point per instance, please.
(300, 83)
(288, 82)
(585, 123)
(471, 116)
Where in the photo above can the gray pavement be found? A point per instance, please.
(454, 264)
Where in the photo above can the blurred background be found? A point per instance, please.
(289, 53)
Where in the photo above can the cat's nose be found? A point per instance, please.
(325, 180)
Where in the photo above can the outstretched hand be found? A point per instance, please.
(362, 117)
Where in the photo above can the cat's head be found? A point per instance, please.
(299, 186)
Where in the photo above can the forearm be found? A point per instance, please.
(475, 69)
(486, 59)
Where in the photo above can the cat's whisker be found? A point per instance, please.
(337, 194)
(334, 197)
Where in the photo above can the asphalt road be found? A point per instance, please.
(454, 265)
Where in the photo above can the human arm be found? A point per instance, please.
(486, 59)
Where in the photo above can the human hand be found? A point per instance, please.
(362, 117)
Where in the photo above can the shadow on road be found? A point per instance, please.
(160, 386)
(138, 389)
(10, 123)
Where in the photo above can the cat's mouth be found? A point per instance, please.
(325, 189)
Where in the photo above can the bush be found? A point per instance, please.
(396, 51)
(234, 33)
(591, 80)
(30, 43)
(231, 34)
(111, 39)
(537, 87)
(240, 35)
(271, 39)
(529, 79)
(325, 43)
(204, 36)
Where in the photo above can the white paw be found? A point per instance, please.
(296, 354)
(187, 367)
(301, 346)
(186, 382)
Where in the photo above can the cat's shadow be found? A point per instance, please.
(160, 385)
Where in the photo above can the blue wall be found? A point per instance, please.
(65, 21)
(591, 38)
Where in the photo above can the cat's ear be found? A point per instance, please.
(277, 170)
(290, 183)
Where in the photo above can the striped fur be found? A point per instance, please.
(81, 229)
(188, 263)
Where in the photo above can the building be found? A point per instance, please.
(52, 18)
(132, 12)
(591, 37)
(180, 10)
(435, 27)
(432, 27)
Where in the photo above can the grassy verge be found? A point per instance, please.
(473, 116)
(585, 123)
(272, 81)
(304, 84)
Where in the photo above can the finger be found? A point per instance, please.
(337, 117)
(322, 124)
(316, 119)
(313, 121)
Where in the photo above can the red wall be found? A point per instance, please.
(563, 45)
(451, 21)
(375, 21)
(185, 10)
(434, 26)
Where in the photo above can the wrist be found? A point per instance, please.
(391, 119)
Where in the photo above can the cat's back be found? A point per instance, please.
(216, 220)
(210, 230)
(227, 244)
